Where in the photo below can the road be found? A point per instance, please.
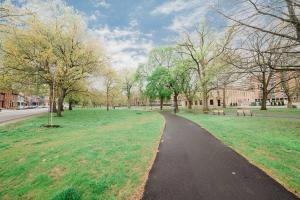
(192, 164)
(7, 116)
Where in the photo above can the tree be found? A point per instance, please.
(158, 85)
(27, 54)
(203, 48)
(56, 54)
(76, 59)
(111, 86)
(127, 84)
(166, 57)
(187, 80)
(257, 57)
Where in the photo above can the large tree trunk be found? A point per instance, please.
(60, 102)
(205, 108)
(161, 103)
(290, 102)
(190, 103)
(264, 100)
(176, 109)
(224, 96)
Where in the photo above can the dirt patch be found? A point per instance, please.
(83, 161)
(57, 172)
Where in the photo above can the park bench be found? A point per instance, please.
(244, 112)
(218, 112)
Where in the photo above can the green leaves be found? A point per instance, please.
(159, 84)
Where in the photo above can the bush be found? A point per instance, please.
(68, 194)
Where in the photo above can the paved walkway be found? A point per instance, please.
(192, 164)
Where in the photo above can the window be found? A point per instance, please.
(211, 102)
(200, 103)
(196, 103)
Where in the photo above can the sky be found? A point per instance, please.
(129, 29)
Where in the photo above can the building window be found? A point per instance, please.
(196, 103)
(200, 102)
(211, 102)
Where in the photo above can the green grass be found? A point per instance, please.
(94, 155)
(273, 144)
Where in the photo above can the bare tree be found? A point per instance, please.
(127, 85)
(258, 57)
(278, 18)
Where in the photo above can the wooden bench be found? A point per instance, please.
(218, 112)
(244, 112)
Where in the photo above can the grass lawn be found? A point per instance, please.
(272, 144)
(95, 154)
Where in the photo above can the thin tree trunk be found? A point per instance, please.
(128, 102)
(107, 103)
(52, 102)
(161, 103)
(224, 96)
(264, 92)
(176, 109)
(70, 104)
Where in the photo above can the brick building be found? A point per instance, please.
(8, 100)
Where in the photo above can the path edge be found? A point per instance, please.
(140, 190)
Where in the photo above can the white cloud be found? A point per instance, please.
(189, 13)
(125, 47)
(92, 17)
(188, 20)
(174, 6)
(101, 3)
(133, 23)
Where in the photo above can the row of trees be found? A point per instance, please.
(54, 57)
(259, 48)
(201, 61)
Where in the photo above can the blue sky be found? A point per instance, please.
(158, 18)
(129, 29)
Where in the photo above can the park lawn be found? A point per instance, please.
(273, 144)
(280, 112)
(96, 154)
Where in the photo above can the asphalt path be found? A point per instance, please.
(192, 164)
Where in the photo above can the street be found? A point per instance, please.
(11, 115)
